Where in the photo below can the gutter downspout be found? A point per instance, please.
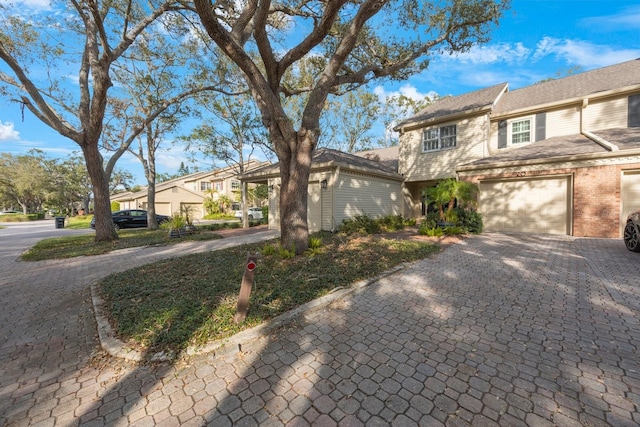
(600, 141)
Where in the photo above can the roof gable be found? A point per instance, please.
(479, 100)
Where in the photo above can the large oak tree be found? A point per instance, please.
(316, 48)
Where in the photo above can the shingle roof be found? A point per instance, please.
(335, 157)
(388, 156)
(571, 145)
(576, 86)
(479, 99)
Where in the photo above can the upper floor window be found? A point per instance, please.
(217, 185)
(521, 131)
(235, 185)
(205, 185)
(440, 138)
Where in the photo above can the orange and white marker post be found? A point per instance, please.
(245, 288)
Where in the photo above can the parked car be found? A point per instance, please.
(9, 212)
(252, 213)
(131, 218)
(632, 232)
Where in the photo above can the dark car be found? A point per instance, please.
(131, 218)
(632, 232)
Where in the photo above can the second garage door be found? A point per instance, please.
(630, 195)
(526, 205)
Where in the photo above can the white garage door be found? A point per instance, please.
(629, 195)
(526, 205)
(163, 209)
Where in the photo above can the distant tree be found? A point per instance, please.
(349, 119)
(183, 170)
(575, 69)
(120, 179)
(230, 132)
(343, 45)
(24, 181)
(400, 107)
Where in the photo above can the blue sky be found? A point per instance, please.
(536, 39)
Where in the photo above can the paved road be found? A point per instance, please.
(497, 330)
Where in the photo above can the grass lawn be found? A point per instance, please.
(173, 304)
(74, 246)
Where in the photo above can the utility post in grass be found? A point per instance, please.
(245, 288)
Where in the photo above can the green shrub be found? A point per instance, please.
(430, 220)
(426, 229)
(268, 250)
(363, 224)
(470, 220)
(395, 222)
(315, 242)
(285, 253)
(454, 231)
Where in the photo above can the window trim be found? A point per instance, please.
(439, 138)
(510, 133)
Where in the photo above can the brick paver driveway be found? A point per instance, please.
(497, 330)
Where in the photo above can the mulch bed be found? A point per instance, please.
(409, 233)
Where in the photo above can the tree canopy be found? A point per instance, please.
(319, 48)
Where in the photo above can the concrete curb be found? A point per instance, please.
(116, 348)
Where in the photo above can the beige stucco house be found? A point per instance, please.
(561, 156)
(189, 190)
(341, 186)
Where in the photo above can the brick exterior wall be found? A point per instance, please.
(596, 196)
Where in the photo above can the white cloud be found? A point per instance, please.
(407, 90)
(489, 54)
(626, 19)
(169, 159)
(586, 54)
(8, 133)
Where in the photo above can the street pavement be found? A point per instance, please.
(496, 330)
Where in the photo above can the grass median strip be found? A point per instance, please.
(74, 246)
(171, 305)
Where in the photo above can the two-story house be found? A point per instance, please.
(561, 156)
(189, 190)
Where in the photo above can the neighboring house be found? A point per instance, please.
(188, 190)
(561, 156)
(341, 186)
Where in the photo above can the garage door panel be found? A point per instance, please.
(532, 205)
(629, 195)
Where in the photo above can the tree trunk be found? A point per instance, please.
(152, 223)
(294, 176)
(150, 169)
(105, 231)
(243, 204)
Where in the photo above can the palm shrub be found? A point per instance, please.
(447, 192)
